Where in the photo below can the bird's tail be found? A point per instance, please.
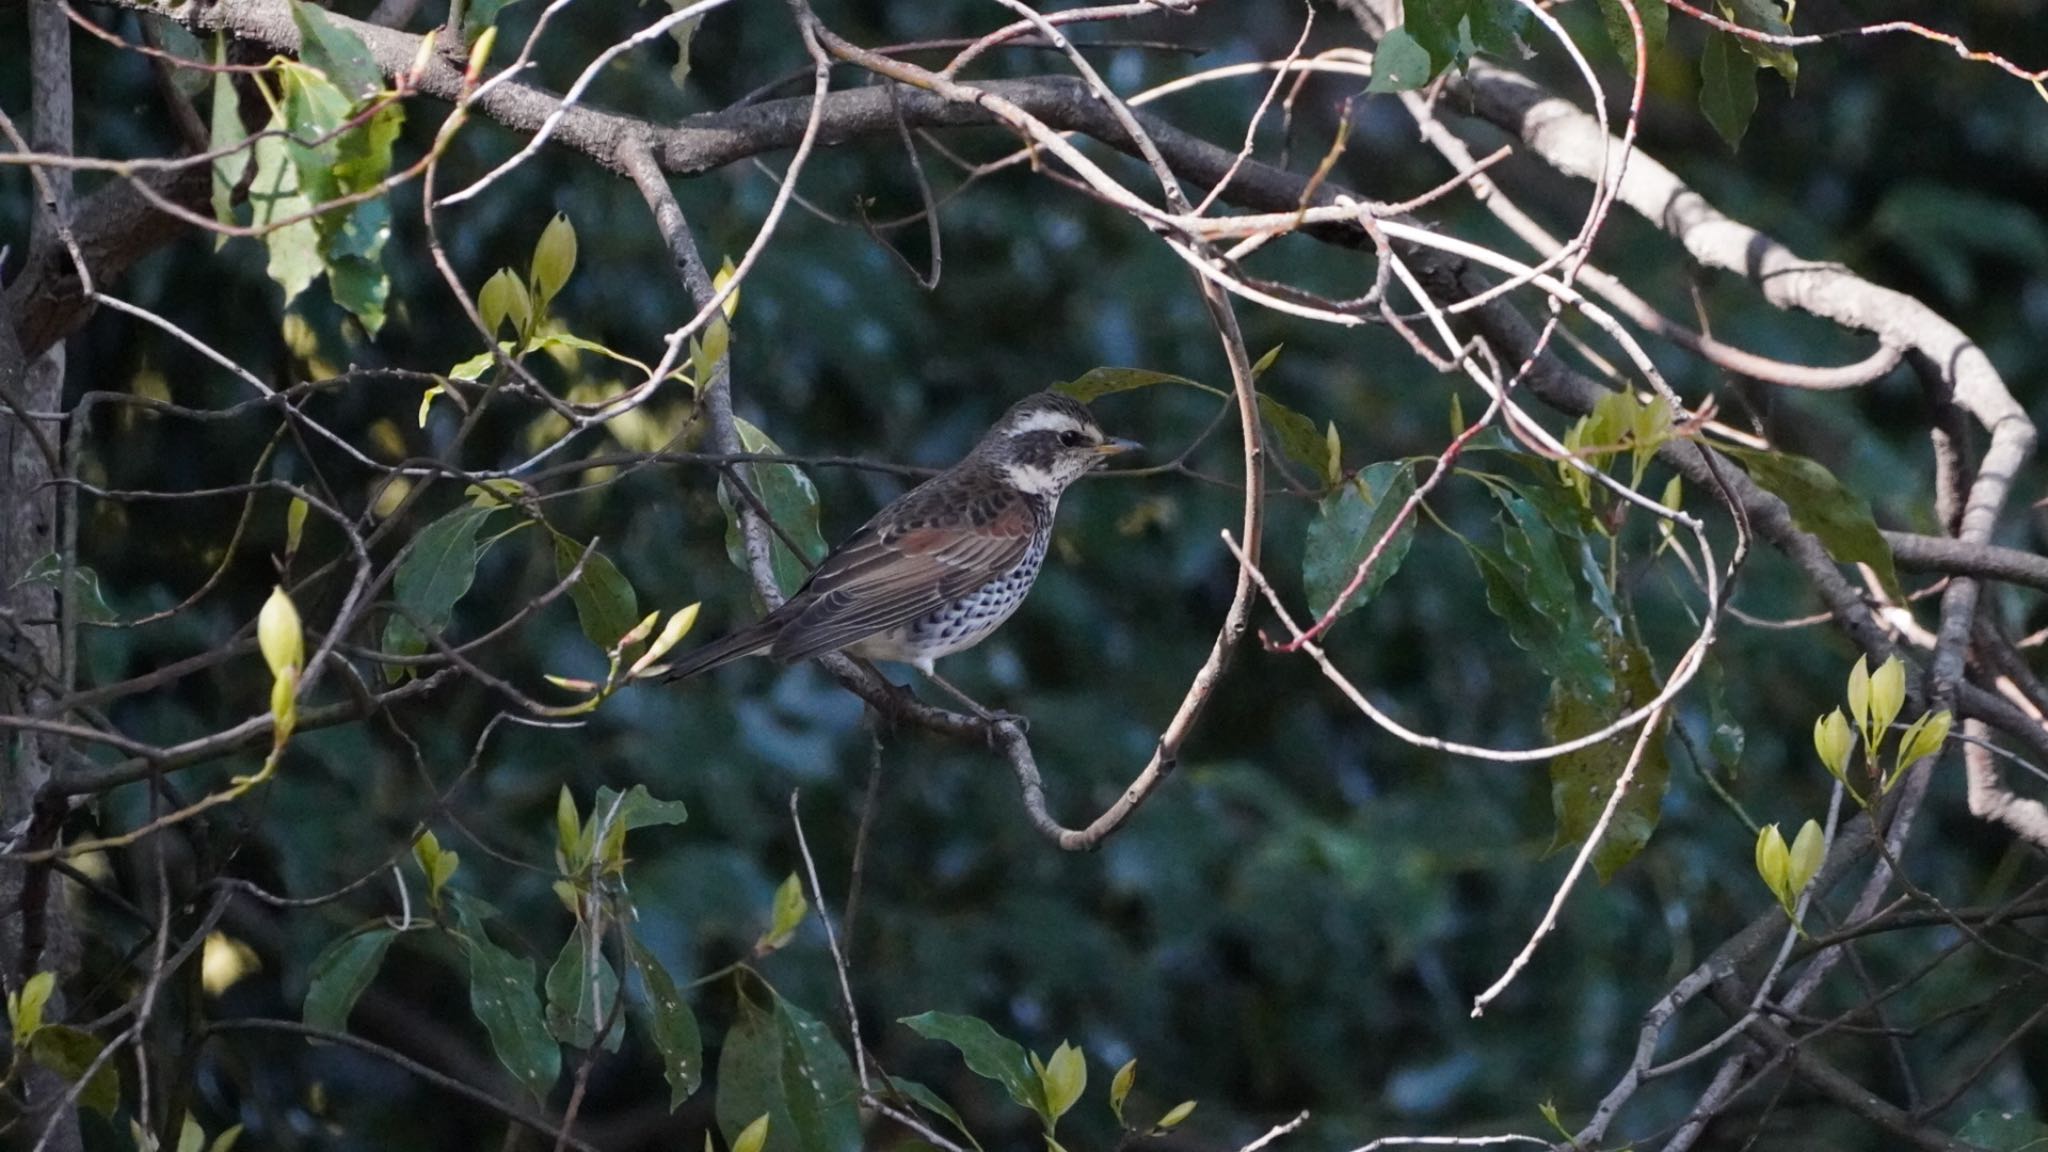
(724, 650)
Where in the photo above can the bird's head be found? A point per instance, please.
(1047, 441)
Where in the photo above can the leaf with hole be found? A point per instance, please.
(1401, 63)
(501, 993)
(780, 1061)
(582, 989)
(667, 1020)
(1581, 782)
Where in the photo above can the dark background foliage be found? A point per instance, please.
(1300, 918)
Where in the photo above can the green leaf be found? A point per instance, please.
(1348, 523)
(274, 196)
(790, 909)
(819, 1081)
(340, 974)
(1656, 18)
(638, 809)
(351, 238)
(554, 258)
(1065, 1078)
(1530, 588)
(2005, 1132)
(336, 51)
(225, 125)
(606, 605)
(1727, 86)
(668, 1022)
(931, 1102)
(26, 1008)
(1821, 505)
(1299, 438)
(1768, 17)
(86, 598)
(68, 1052)
(1098, 382)
(1401, 64)
(988, 1053)
(502, 995)
(1265, 362)
(780, 1061)
(582, 990)
(790, 499)
(436, 572)
(1582, 781)
(481, 14)
(682, 34)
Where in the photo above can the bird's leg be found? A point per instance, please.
(991, 716)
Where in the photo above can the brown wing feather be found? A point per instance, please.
(881, 579)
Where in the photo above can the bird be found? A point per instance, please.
(941, 566)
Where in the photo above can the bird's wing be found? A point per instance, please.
(887, 576)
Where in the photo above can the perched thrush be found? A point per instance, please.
(945, 563)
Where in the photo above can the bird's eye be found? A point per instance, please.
(1071, 439)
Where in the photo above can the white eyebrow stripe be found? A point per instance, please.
(1049, 420)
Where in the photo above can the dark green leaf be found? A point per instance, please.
(2003, 1131)
(1348, 524)
(1942, 227)
(435, 573)
(782, 1062)
(1768, 17)
(606, 605)
(68, 1052)
(1401, 64)
(1822, 506)
(502, 995)
(818, 1082)
(791, 500)
(1581, 782)
(481, 14)
(582, 990)
(669, 1024)
(1299, 438)
(86, 599)
(336, 51)
(1727, 87)
(1559, 646)
(638, 809)
(340, 974)
(988, 1053)
(1103, 381)
(931, 1102)
(1656, 17)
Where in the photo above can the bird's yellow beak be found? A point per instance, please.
(1116, 446)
